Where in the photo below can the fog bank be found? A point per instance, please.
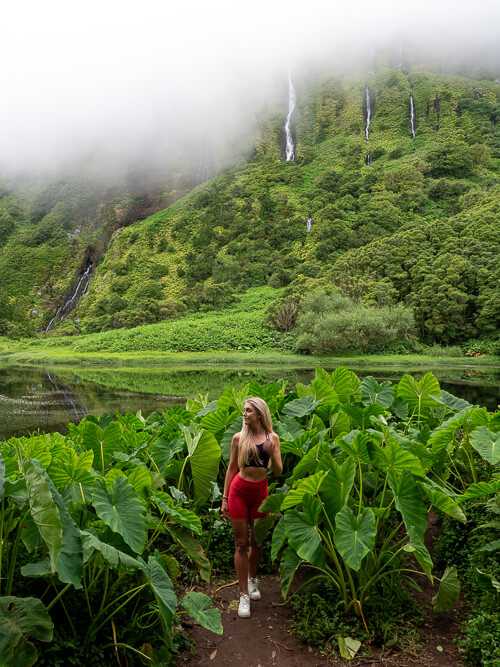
(115, 83)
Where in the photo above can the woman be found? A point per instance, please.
(252, 449)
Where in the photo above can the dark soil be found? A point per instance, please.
(264, 639)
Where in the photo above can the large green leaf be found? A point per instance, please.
(116, 559)
(395, 459)
(193, 549)
(196, 605)
(181, 515)
(360, 416)
(487, 581)
(21, 618)
(204, 456)
(278, 539)
(225, 443)
(444, 503)
(449, 591)
(443, 435)
(262, 526)
(102, 443)
(480, 489)
(487, 444)
(122, 511)
(272, 504)
(2, 476)
(409, 502)
(217, 421)
(354, 535)
(304, 538)
(373, 392)
(309, 461)
(69, 468)
(70, 561)
(345, 383)
(310, 484)
(356, 446)
(300, 407)
(324, 392)
(161, 585)
(44, 511)
(140, 478)
(453, 402)
(290, 563)
(419, 394)
(337, 486)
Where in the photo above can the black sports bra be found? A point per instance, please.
(263, 456)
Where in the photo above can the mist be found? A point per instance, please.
(118, 84)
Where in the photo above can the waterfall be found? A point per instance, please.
(368, 160)
(368, 113)
(412, 115)
(290, 148)
(81, 290)
(205, 167)
(309, 224)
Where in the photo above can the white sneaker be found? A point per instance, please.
(244, 606)
(253, 589)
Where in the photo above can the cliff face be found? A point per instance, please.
(157, 253)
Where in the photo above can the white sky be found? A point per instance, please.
(80, 78)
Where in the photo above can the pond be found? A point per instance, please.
(47, 398)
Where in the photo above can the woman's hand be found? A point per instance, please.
(224, 510)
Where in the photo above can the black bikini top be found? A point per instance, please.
(263, 456)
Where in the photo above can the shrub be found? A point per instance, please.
(149, 289)
(158, 271)
(453, 158)
(335, 323)
(480, 643)
(121, 285)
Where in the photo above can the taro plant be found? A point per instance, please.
(87, 523)
(366, 470)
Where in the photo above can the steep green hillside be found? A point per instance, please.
(419, 225)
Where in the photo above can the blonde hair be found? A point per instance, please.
(246, 448)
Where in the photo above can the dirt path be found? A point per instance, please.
(263, 640)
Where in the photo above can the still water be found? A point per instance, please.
(47, 398)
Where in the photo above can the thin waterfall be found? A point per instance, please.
(290, 148)
(81, 290)
(204, 163)
(412, 115)
(368, 113)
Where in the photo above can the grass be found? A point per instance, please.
(237, 335)
(41, 355)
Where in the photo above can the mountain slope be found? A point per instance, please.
(418, 225)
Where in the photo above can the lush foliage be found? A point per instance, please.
(418, 227)
(475, 550)
(334, 323)
(105, 522)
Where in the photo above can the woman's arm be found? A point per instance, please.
(276, 462)
(231, 471)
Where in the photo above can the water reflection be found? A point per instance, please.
(47, 399)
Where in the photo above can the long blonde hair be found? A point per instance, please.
(246, 448)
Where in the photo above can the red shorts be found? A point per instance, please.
(246, 497)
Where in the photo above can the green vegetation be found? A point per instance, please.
(474, 549)
(418, 229)
(104, 523)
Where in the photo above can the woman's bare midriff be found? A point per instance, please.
(253, 474)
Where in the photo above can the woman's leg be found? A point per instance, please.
(255, 553)
(240, 530)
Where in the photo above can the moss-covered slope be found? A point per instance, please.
(418, 225)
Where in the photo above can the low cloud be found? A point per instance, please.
(112, 82)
